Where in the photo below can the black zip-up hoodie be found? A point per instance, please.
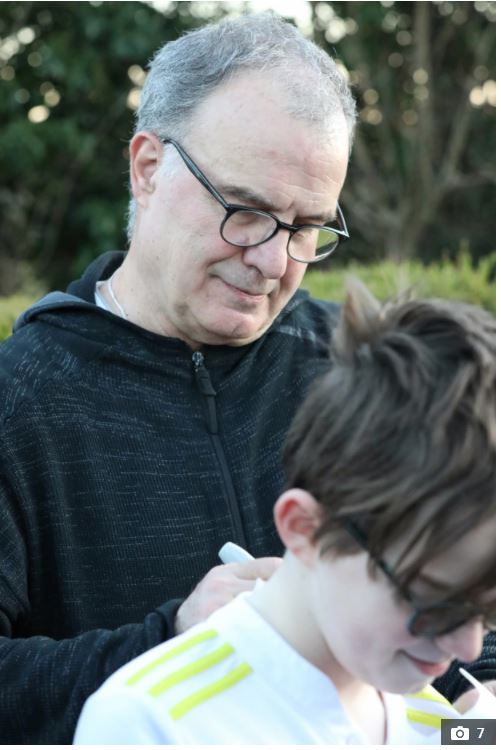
(126, 461)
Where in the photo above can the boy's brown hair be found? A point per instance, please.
(399, 435)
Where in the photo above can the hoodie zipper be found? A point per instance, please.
(207, 390)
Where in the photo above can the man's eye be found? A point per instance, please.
(243, 218)
(304, 233)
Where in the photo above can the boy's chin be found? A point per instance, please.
(405, 686)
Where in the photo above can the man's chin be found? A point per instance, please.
(242, 332)
(235, 340)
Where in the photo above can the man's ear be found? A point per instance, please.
(297, 516)
(146, 154)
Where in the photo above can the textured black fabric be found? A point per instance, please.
(113, 503)
(453, 684)
(112, 499)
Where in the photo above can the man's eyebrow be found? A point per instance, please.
(246, 194)
(259, 201)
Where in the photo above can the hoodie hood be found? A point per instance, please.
(79, 298)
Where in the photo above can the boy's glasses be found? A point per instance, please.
(248, 227)
(435, 619)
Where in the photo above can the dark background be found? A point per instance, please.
(421, 181)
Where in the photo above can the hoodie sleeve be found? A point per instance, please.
(45, 682)
(453, 684)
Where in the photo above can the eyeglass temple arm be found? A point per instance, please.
(341, 220)
(196, 172)
(361, 538)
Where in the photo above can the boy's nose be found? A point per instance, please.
(464, 643)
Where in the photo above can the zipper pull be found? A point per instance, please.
(201, 374)
(206, 389)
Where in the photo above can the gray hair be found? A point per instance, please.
(185, 71)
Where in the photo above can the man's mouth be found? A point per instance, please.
(254, 293)
(431, 668)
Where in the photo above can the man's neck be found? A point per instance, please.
(130, 297)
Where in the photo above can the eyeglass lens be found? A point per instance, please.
(247, 228)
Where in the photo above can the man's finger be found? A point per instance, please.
(261, 567)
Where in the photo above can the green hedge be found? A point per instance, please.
(10, 307)
(454, 280)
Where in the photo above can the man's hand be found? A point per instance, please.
(222, 584)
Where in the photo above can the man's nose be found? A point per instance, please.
(464, 643)
(270, 258)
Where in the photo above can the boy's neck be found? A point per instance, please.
(283, 603)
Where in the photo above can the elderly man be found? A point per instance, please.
(144, 412)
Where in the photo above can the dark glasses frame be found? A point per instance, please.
(420, 622)
(340, 233)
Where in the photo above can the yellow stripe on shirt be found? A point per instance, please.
(192, 669)
(430, 694)
(423, 717)
(219, 686)
(184, 646)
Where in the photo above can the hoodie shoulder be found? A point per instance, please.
(39, 354)
(51, 340)
(309, 319)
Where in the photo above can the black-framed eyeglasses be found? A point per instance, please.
(248, 227)
(435, 619)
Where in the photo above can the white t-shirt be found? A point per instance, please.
(234, 680)
(99, 299)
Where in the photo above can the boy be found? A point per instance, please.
(388, 575)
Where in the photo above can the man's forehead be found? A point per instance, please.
(256, 153)
(251, 110)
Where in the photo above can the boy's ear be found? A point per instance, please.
(297, 516)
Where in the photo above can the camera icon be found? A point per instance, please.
(460, 733)
(468, 732)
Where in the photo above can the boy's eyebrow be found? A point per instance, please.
(442, 585)
(250, 196)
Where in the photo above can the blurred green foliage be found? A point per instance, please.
(64, 180)
(457, 279)
(421, 179)
(10, 308)
(422, 174)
